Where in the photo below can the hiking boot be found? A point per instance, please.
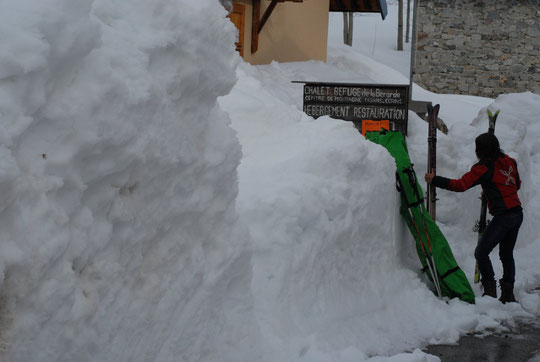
(507, 292)
(490, 288)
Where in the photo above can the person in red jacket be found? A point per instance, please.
(498, 175)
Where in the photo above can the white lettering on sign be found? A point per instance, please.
(316, 110)
(353, 95)
(316, 90)
(378, 113)
(358, 103)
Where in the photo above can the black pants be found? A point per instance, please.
(502, 230)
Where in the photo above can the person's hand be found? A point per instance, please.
(429, 177)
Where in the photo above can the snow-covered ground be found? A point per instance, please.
(155, 209)
(334, 272)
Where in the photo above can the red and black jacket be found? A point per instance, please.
(499, 180)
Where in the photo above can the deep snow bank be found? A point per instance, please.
(518, 132)
(118, 172)
(334, 269)
(335, 274)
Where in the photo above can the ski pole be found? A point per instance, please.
(432, 269)
(414, 183)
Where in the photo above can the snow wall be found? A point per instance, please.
(119, 231)
(334, 267)
(335, 271)
(118, 175)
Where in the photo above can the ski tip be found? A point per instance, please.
(493, 115)
(433, 108)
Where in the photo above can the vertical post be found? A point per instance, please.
(413, 50)
(351, 27)
(256, 13)
(348, 28)
(400, 26)
(407, 31)
(345, 28)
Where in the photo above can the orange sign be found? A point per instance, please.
(369, 125)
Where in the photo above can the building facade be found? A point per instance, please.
(289, 30)
(294, 30)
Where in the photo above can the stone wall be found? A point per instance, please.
(477, 47)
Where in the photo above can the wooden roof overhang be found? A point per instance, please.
(360, 6)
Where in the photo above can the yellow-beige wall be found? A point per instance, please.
(295, 31)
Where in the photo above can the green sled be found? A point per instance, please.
(452, 280)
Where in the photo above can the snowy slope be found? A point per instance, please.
(335, 276)
(155, 207)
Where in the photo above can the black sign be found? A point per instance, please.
(368, 105)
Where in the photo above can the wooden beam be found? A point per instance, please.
(349, 5)
(267, 13)
(255, 26)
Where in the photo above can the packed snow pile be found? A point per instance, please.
(335, 274)
(120, 240)
(144, 220)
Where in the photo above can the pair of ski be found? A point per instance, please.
(433, 113)
(482, 222)
(431, 267)
(427, 250)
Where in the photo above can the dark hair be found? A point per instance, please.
(487, 148)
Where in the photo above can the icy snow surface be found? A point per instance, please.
(141, 219)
